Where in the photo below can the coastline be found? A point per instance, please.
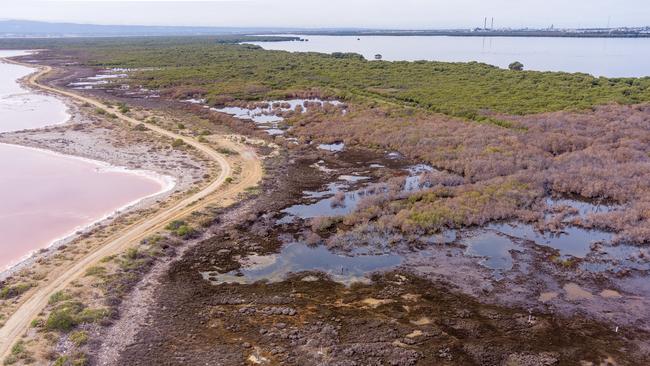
(167, 182)
(22, 83)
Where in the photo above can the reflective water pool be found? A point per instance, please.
(297, 257)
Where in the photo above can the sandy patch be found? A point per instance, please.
(422, 321)
(414, 334)
(411, 297)
(547, 296)
(575, 292)
(375, 303)
(610, 294)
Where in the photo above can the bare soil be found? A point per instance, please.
(404, 317)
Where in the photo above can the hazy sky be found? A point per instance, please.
(337, 13)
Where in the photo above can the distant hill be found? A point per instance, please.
(27, 28)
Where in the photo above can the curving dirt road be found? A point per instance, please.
(19, 321)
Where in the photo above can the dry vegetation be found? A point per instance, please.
(495, 173)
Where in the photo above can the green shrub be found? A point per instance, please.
(37, 323)
(180, 229)
(178, 143)
(61, 361)
(226, 151)
(92, 315)
(97, 271)
(151, 240)
(69, 314)
(107, 259)
(80, 359)
(174, 225)
(10, 360)
(18, 348)
(9, 292)
(123, 108)
(79, 338)
(184, 232)
(63, 317)
(58, 297)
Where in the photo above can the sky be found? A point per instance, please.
(404, 14)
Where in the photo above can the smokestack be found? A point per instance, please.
(492, 26)
(485, 23)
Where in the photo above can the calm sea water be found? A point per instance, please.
(46, 196)
(612, 57)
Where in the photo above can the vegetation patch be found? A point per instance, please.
(79, 338)
(181, 229)
(19, 352)
(58, 296)
(221, 72)
(10, 292)
(65, 316)
(95, 271)
(178, 143)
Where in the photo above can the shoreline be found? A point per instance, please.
(28, 90)
(167, 182)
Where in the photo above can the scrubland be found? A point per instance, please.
(506, 139)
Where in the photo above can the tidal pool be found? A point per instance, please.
(583, 208)
(337, 202)
(298, 257)
(493, 248)
(266, 115)
(335, 147)
(572, 241)
(413, 181)
(337, 199)
(93, 82)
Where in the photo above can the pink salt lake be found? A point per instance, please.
(45, 196)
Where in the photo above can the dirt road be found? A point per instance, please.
(216, 191)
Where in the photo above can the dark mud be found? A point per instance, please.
(398, 320)
(403, 316)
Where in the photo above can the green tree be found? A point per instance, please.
(516, 66)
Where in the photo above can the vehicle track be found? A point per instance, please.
(18, 323)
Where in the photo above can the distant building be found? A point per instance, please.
(378, 57)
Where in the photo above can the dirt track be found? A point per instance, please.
(19, 321)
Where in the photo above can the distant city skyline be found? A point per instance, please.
(388, 14)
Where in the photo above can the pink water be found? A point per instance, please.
(46, 196)
(20, 108)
